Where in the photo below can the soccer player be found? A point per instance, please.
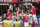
(16, 23)
(34, 13)
(26, 21)
(9, 22)
(4, 22)
(30, 18)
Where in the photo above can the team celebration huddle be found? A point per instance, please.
(18, 15)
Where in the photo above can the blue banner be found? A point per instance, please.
(38, 20)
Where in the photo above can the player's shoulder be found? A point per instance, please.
(10, 20)
(4, 20)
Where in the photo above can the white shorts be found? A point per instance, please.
(26, 24)
(34, 17)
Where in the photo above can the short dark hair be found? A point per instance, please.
(5, 18)
(19, 12)
(16, 20)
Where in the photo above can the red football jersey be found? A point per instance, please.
(26, 19)
(33, 11)
(10, 16)
(21, 14)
